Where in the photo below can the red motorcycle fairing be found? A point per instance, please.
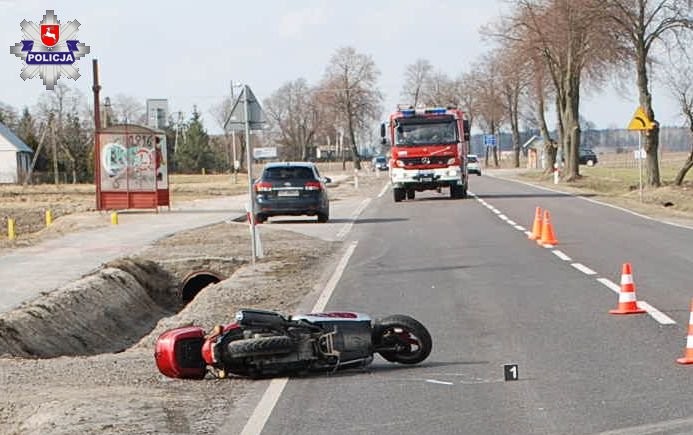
(177, 353)
(207, 346)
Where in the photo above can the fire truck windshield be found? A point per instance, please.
(426, 133)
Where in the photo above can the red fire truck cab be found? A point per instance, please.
(429, 148)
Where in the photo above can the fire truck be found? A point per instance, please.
(429, 148)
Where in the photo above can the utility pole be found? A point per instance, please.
(250, 173)
(233, 143)
(54, 149)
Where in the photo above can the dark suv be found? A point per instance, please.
(587, 157)
(291, 189)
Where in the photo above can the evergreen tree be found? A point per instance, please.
(194, 152)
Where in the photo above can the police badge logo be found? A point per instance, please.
(49, 49)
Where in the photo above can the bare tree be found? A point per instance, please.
(440, 90)
(128, 110)
(485, 82)
(573, 39)
(294, 117)
(415, 78)
(467, 99)
(514, 70)
(350, 81)
(643, 23)
(680, 84)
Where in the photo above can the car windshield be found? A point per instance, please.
(472, 159)
(288, 173)
(380, 160)
(426, 133)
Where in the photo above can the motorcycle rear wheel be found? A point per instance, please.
(405, 332)
(260, 346)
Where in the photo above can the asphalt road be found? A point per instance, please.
(491, 297)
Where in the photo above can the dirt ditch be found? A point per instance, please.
(105, 326)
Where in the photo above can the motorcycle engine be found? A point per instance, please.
(352, 339)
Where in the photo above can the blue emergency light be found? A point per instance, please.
(407, 112)
(436, 111)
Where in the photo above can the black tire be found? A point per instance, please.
(260, 218)
(398, 194)
(411, 194)
(261, 346)
(389, 330)
(455, 191)
(323, 217)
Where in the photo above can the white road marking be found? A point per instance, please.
(652, 311)
(584, 269)
(610, 284)
(513, 223)
(347, 227)
(382, 192)
(561, 255)
(433, 381)
(656, 314)
(269, 399)
(674, 224)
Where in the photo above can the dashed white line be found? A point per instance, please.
(433, 381)
(656, 314)
(584, 269)
(610, 284)
(561, 255)
(652, 311)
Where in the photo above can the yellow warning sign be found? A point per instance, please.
(640, 121)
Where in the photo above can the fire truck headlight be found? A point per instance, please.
(452, 161)
(399, 163)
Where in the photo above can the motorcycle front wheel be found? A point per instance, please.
(402, 339)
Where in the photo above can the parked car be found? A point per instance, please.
(291, 189)
(587, 157)
(473, 165)
(380, 163)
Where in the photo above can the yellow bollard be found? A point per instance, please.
(114, 218)
(49, 218)
(11, 234)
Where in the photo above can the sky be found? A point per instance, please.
(190, 52)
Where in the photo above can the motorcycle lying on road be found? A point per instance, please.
(264, 343)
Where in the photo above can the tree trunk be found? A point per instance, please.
(571, 118)
(684, 170)
(354, 150)
(651, 143)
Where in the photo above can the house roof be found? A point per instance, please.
(10, 142)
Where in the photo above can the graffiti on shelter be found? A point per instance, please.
(133, 162)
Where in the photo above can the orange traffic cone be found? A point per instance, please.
(688, 354)
(536, 226)
(627, 303)
(547, 235)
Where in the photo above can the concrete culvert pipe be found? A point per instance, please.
(196, 281)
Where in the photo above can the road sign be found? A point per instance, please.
(489, 139)
(640, 121)
(265, 153)
(256, 116)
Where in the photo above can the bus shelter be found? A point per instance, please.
(131, 170)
